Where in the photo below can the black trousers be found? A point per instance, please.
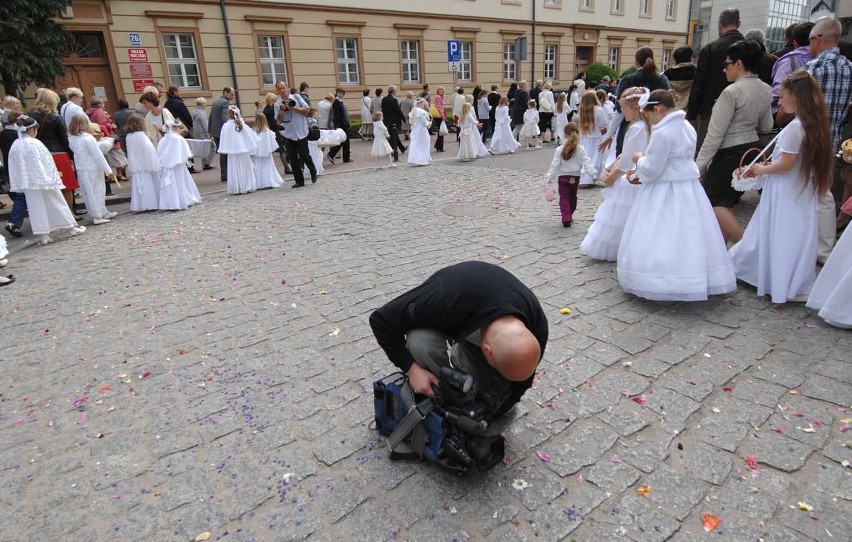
(223, 162)
(395, 143)
(332, 152)
(299, 154)
(439, 141)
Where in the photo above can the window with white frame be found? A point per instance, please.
(410, 50)
(614, 57)
(667, 58)
(509, 73)
(587, 5)
(671, 9)
(550, 61)
(273, 67)
(644, 8)
(346, 50)
(466, 63)
(182, 60)
(617, 6)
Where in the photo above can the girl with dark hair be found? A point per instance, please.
(671, 249)
(778, 251)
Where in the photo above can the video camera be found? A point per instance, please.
(448, 430)
(289, 103)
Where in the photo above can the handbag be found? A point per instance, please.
(433, 112)
(549, 195)
(846, 151)
(313, 132)
(742, 178)
(442, 129)
(105, 144)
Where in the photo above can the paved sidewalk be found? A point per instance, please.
(173, 374)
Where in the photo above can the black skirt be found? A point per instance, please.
(717, 180)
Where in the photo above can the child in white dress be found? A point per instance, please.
(569, 160)
(604, 236)
(503, 141)
(143, 167)
(832, 291)
(672, 248)
(778, 251)
(239, 144)
(381, 148)
(470, 144)
(173, 152)
(33, 172)
(528, 135)
(265, 172)
(91, 166)
(419, 150)
(592, 126)
(560, 114)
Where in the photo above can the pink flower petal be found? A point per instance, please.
(543, 456)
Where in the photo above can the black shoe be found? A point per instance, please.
(224, 180)
(288, 170)
(313, 177)
(205, 168)
(192, 170)
(331, 158)
(298, 185)
(348, 161)
(79, 211)
(403, 149)
(14, 230)
(566, 223)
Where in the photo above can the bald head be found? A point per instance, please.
(511, 348)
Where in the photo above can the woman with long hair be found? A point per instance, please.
(671, 249)
(592, 128)
(52, 132)
(778, 251)
(366, 130)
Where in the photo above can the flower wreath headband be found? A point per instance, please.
(236, 110)
(24, 128)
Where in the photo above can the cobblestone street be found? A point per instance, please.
(173, 374)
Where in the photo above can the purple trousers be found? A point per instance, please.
(568, 196)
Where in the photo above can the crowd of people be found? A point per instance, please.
(666, 146)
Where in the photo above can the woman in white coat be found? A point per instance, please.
(672, 248)
(546, 105)
(91, 166)
(419, 150)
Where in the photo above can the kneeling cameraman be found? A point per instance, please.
(494, 324)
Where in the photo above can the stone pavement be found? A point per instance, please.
(168, 375)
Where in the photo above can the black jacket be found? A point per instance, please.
(52, 132)
(493, 101)
(710, 80)
(459, 300)
(681, 72)
(519, 106)
(178, 110)
(340, 115)
(8, 136)
(391, 111)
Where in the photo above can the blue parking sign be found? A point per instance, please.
(135, 39)
(453, 51)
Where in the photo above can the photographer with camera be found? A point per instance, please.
(291, 112)
(495, 324)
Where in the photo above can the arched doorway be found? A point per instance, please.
(87, 67)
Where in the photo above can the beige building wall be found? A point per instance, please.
(582, 31)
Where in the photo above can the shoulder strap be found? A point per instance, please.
(412, 425)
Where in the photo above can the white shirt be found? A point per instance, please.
(669, 157)
(578, 161)
(87, 154)
(70, 110)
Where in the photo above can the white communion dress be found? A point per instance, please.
(143, 167)
(419, 151)
(265, 172)
(503, 141)
(239, 145)
(832, 291)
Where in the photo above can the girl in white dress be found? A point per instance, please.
(143, 166)
(832, 291)
(381, 148)
(503, 141)
(778, 251)
(239, 144)
(33, 172)
(265, 172)
(604, 236)
(672, 248)
(173, 152)
(561, 116)
(419, 150)
(91, 166)
(528, 135)
(592, 126)
(470, 144)
(569, 160)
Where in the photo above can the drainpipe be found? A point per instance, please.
(532, 66)
(230, 50)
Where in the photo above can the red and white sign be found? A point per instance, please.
(138, 54)
(141, 70)
(140, 84)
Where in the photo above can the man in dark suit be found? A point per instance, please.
(392, 113)
(519, 107)
(710, 78)
(493, 101)
(340, 117)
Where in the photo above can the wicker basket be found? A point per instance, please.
(846, 151)
(743, 179)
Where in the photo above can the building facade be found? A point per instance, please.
(203, 45)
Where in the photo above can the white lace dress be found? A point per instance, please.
(143, 167)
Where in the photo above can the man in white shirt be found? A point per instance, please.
(74, 105)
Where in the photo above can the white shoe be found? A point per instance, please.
(76, 230)
(45, 240)
(99, 221)
(392, 164)
(3, 262)
(538, 146)
(111, 214)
